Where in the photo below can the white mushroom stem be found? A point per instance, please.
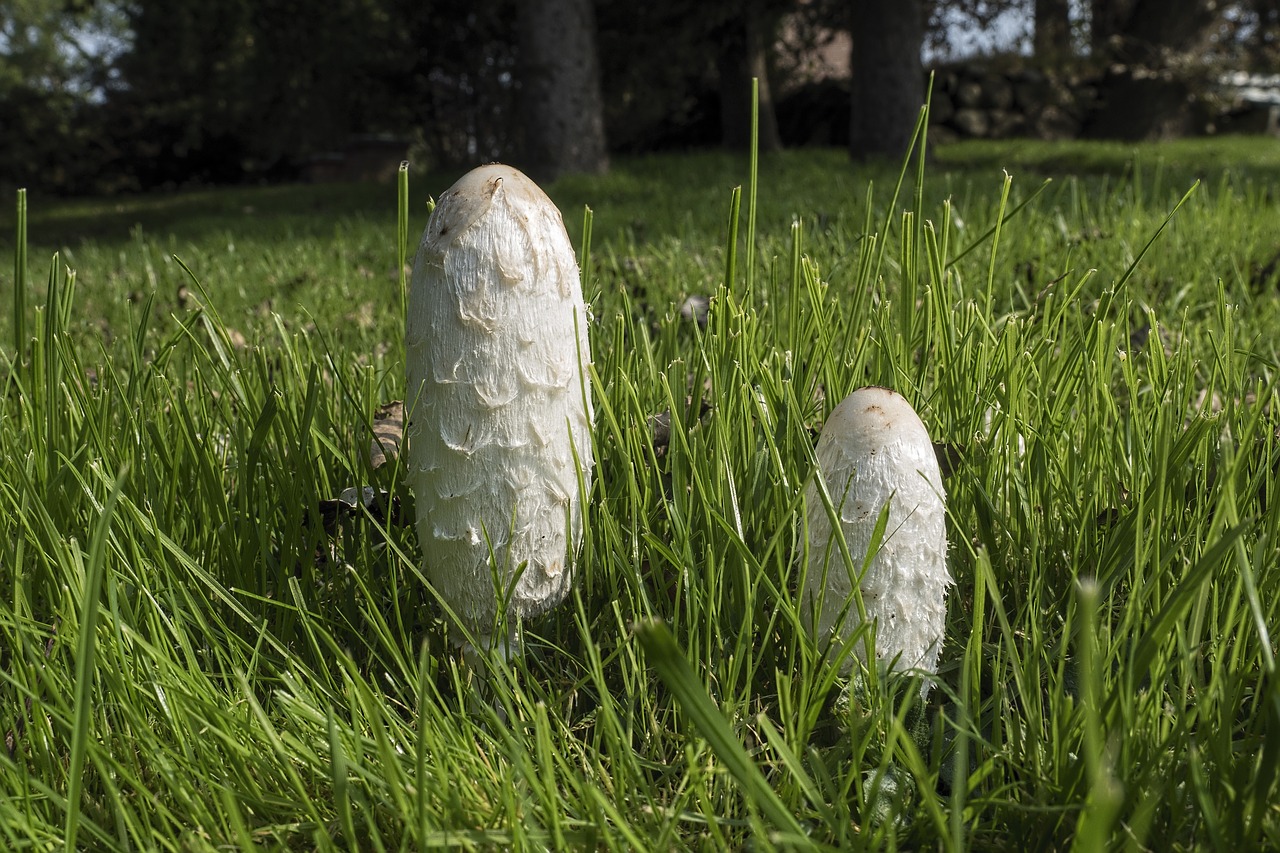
(498, 401)
(875, 452)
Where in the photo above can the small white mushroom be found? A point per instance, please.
(498, 400)
(875, 451)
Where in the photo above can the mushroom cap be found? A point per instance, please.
(472, 195)
(874, 417)
(873, 451)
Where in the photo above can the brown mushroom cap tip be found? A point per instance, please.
(876, 415)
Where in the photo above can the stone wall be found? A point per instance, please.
(984, 101)
(1009, 97)
(977, 99)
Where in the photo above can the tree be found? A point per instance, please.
(1149, 30)
(679, 74)
(457, 72)
(1156, 50)
(563, 110)
(888, 80)
(746, 40)
(52, 78)
(1052, 37)
(1106, 22)
(1253, 27)
(217, 91)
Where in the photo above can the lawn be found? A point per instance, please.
(210, 641)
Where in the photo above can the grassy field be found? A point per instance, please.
(203, 648)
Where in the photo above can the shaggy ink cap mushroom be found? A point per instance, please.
(874, 450)
(498, 444)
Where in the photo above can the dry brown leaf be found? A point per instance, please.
(388, 433)
(949, 456)
(236, 338)
(660, 425)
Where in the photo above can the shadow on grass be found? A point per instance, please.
(1182, 160)
(681, 193)
(193, 214)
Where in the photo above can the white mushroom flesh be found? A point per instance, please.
(874, 451)
(498, 399)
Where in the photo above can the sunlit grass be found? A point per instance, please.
(266, 667)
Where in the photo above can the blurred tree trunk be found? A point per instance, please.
(888, 78)
(563, 111)
(1106, 21)
(744, 54)
(1149, 91)
(1053, 30)
(1157, 27)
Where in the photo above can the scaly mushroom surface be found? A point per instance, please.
(874, 451)
(498, 443)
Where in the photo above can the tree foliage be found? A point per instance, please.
(56, 60)
(114, 94)
(220, 89)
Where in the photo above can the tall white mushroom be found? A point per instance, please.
(874, 451)
(498, 442)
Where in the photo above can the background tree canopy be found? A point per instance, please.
(97, 95)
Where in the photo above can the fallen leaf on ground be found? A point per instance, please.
(388, 433)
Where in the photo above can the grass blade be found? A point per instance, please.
(665, 657)
(20, 280)
(86, 651)
(402, 234)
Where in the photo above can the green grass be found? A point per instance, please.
(204, 652)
